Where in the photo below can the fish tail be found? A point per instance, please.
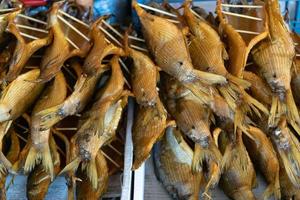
(35, 156)
(91, 170)
(5, 164)
(209, 78)
(72, 166)
(238, 81)
(50, 116)
(203, 96)
(198, 158)
(293, 113)
(254, 104)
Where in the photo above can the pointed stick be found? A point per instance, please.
(29, 36)
(74, 18)
(241, 6)
(32, 19)
(242, 16)
(157, 10)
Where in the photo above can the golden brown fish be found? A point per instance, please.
(39, 179)
(238, 175)
(40, 150)
(144, 77)
(60, 49)
(101, 48)
(239, 44)
(167, 44)
(75, 103)
(264, 157)
(194, 121)
(208, 53)
(84, 189)
(173, 160)
(148, 127)
(259, 88)
(19, 95)
(98, 125)
(12, 156)
(24, 48)
(274, 57)
(288, 150)
(295, 82)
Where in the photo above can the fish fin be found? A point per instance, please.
(293, 113)
(238, 81)
(50, 116)
(254, 103)
(273, 188)
(203, 96)
(71, 166)
(5, 164)
(215, 174)
(216, 133)
(209, 78)
(91, 170)
(34, 157)
(198, 159)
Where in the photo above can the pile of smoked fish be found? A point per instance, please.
(217, 98)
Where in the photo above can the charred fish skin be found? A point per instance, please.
(23, 89)
(173, 160)
(238, 175)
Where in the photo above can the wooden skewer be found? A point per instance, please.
(69, 72)
(32, 28)
(157, 10)
(116, 150)
(22, 138)
(7, 9)
(241, 6)
(72, 43)
(21, 126)
(248, 32)
(113, 29)
(29, 36)
(109, 35)
(32, 19)
(66, 129)
(241, 15)
(136, 38)
(111, 160)
(196, 14)
(74, 18)
(249, 63)
(173, 21)
(73, 28)
(138, 48)
(297, 54)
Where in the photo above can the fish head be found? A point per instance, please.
(5, 112)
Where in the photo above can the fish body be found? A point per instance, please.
(84, 189)
(238, 175)
(173, 160)
(75, 103)
(144, 78)
(167, 44)
(148, 127)
(53, 95)
(19, 95)
(59, 50)
(101, 48)
(99, 124)
(287, 147)
(264, 157)
(24, 50)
